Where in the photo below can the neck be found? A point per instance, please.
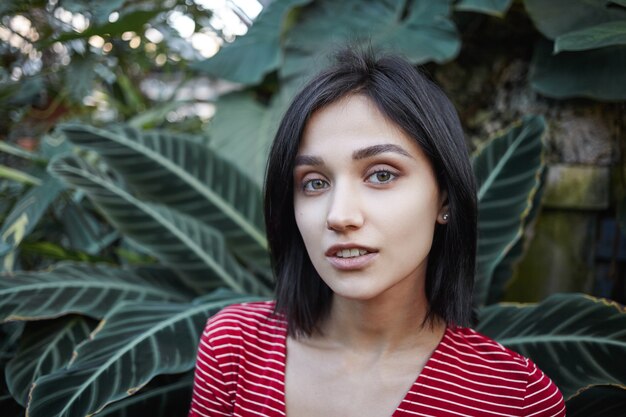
(381, 325)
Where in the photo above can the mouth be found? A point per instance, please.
(350, 257)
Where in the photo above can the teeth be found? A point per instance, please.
(350, 253)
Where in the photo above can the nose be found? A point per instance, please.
(344, 211)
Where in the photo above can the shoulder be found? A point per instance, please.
(238, 322)
(501, 370)
(468, 344)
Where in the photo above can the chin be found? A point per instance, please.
(356, 292)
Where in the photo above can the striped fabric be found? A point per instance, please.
(240, 371)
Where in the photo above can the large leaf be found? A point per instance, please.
(250, 57)
(598, 401)
(574, 338)
(9, 336)
(604, 34)
(503, 272)
(242, 131)
(492, 7)
(164, 400)
(24, 217)
(134, 343)
(18, 151)
(596, 73)
(194, 249)
(80, 76)
(507, 171)
(187, 176)
(419, 29)
(557, 17)
(83, 230)
(46, 347)
(14, 174)
(77, 288)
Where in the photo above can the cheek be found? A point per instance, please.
(409, 217)
(305, 223)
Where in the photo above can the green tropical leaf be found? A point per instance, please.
(54, 251)
(24, 216)
(107, 368)
(156, 115)
(193, 249)
(80, 76)
(9, 337)
(85, 289)
(250, 57)
(18, 151)
(574, 338)
(84, 232)
(508, 171)
(17, 175)
(46, 347)
(492, 7)
(187, 176)
(598, 401)
(597, 73)
(419, 29)
(551, 20)
(619, 3)
(604, 34)
(26, 91)
(504, 271)
(164, 400)
(242, 131)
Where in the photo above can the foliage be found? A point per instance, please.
(508, 171)
(168, 225)
(589, 49)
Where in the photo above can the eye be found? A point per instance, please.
(382, 177)
(315, 185)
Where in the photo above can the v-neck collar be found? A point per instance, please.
(415, 387)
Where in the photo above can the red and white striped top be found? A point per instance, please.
(240, 371)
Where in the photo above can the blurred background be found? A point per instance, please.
(166, 109)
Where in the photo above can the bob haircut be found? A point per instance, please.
(421, 109)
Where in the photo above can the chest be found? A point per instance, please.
(323, 383)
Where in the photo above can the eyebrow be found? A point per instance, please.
(358, 154)
(378, 149)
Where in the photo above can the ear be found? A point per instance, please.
(443, 216)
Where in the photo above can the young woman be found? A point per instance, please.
(370, 207)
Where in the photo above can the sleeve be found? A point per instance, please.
(210, 395)
(542, 398)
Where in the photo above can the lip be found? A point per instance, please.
(350, 264)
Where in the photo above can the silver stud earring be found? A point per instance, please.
(445, 217)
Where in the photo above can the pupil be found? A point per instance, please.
(383, 176)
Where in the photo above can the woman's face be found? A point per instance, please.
(366, 201)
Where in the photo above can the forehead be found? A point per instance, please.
(352, 121)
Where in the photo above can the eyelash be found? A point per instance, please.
(393, 176)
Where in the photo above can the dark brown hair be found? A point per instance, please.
(420, 108)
